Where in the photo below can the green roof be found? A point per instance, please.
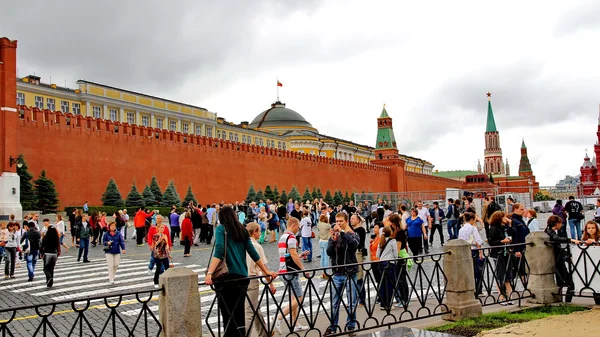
(454, 174)
(384, 113)
(523, 144)
(491, 123)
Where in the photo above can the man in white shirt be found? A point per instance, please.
(424, 215)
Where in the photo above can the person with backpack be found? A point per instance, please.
(470, 233)
(575, 211)
(519, 232)
(452, 223)
(487, 212)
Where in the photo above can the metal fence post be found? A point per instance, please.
(540, 257)
(179, 303)
(460, 289)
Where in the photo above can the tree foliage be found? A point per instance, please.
(346, 197)
(251, 196)
(319, 194)
(283, 197)
(338, 199)
(112, 196)
(314, 194)
(28, 200)
(269, 193)
(189, 196)
(275, 194)
(307, 196)
(45, 193)
(260, 196)
(170, 197)
(149, 199)
(294, 194)
(134, 198)
(328, 198)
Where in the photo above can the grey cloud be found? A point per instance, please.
(581, 17)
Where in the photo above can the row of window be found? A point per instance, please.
(234, 137)
(50, 104)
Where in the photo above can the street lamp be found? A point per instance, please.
(17, 161)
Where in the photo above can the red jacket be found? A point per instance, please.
(140, 218)
(153, 231)
(186, 229)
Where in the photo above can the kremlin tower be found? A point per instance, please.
(589, 169)
(492, 161)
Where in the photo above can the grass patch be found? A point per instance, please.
(472, 326)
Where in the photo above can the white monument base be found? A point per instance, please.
(10, 198)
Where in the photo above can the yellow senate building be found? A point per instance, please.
(277, 127)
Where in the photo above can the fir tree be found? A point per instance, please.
(148, 196)
(294, 194)
(328, 198)
(346, 197)
(319, 194)
(275, 194)
(134, 198)
(112, 196)
(155, 188)
(28, 200)
(352, 197)
(170, 197)
(189, 197)
(251, 195)
(314, 194)
(283, 197)
(307, 195)
(269, 193)
(259, 195)
(337, 198)
(45, 192)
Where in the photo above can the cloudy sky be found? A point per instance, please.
(340, 61)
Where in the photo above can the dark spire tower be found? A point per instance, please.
(492, 161)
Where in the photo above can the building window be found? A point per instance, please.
(145, 120)
(39, 102)
(209, 132)
(159, 123)
(243, 138)
(255, 140)
(300, 151)
(20, 98)
(76, 109)
(185, 127)
(235, 138)
(51, 102)
(113, 115)
(64, 106)
(218, 133)
(260, 140)
(199, 130)
(312, 152)
(173, 125)
(284, 146)
(231, 136)
(96, 112)
(130, 118)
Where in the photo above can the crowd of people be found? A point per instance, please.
(383, 234)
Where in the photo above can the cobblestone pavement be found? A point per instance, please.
(74, 280)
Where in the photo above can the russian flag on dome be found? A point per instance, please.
(279, 84)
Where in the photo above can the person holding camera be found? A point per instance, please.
(114, 244)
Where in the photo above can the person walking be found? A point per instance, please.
(306, 231)
(324, 234)
(126, 221)
(254, 314)
(232, 242)
(575, 211)
(4, 234)
(12, 243)
(196, 213)
(387, 253)
(416, 230)
(50, 251)
(436, 215)
(139, 222)
(84, 238)
(31, 247)
(187, 234)
(161, 248)
(115, 245)
(60, 227)
(174, 223)
(342, 248)
(150, 239)
(452, 222)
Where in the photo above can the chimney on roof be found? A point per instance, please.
(33, 79)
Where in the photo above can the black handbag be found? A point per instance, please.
(290, 265)
(221, 270)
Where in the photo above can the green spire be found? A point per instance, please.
(491, 123)
(384, 113)
(523, 144)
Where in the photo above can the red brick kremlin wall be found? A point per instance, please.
(82, 157)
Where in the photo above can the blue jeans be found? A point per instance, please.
(324, 256)
(452, 229)
(153, 262)
(307, 245)
(31, 261)
(84, 244)
(282, 225)
(341, 282)
(575, 224)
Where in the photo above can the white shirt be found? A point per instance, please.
(253, 268)
(60, 226)
(305, 227)
(423, 214)
(465, 232)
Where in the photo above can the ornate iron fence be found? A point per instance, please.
(87, 316)
(577, 270)
(375, 294)
(501, 276)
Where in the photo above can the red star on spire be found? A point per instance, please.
(489, 94)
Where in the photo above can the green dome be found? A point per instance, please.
(279, 116)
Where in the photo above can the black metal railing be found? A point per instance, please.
(577, 270)
(501, 275)
(86, 316)
(387, 293)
